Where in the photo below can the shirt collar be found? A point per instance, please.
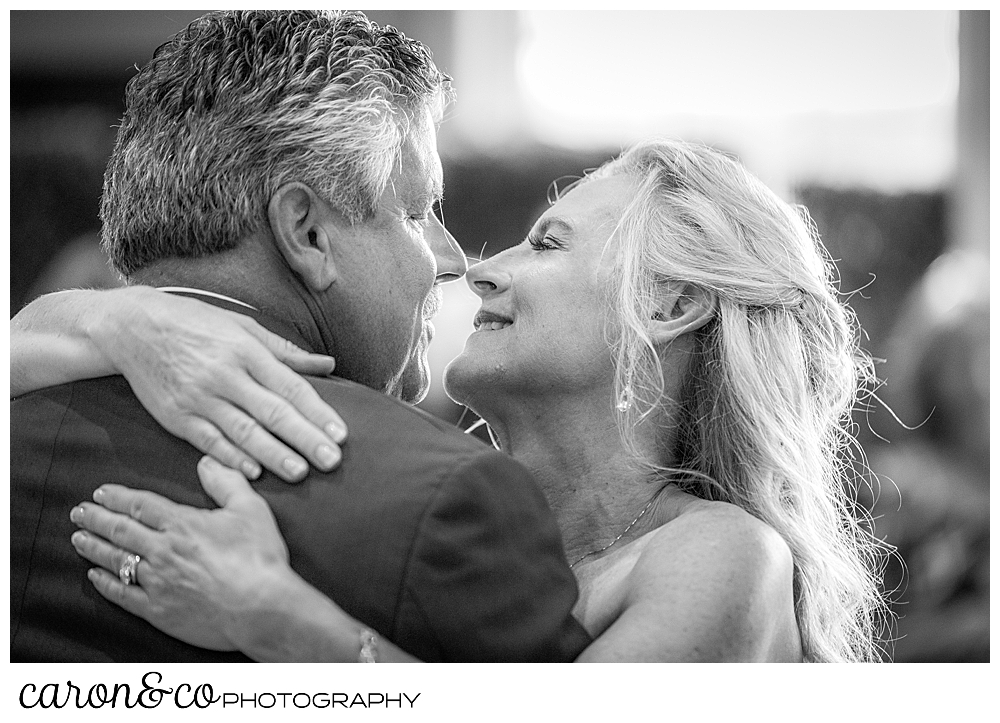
(202, 292)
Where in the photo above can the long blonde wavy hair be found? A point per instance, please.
(764, 416)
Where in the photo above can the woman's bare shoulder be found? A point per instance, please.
(727, 574)
(719, 530)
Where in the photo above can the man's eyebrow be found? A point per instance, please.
(430, 196)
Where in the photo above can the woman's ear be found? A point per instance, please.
(305, 232)
(684, 308)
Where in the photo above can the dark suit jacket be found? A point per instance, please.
(441, 544)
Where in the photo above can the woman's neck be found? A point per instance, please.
(572, 446)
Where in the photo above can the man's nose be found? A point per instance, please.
(451, 263)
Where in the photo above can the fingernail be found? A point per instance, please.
(327, 456)
(92, 574)
(76, 514)
(250, 469)
(295, 467)
(78, 538)
(337, 432)
(98, 494)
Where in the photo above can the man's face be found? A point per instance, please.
(386, 293)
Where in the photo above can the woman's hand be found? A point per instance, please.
(217, 579)
(212, 377)
(219, 378)
(206, 577)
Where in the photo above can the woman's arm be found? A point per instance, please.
(49, 343)
(212, 377)
(218, 578)
(713, 586)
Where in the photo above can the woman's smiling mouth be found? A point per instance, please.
(488, 321)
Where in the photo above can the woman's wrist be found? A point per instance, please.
(291, 621)
(109, 317)
(295, 622)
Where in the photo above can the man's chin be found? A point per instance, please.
(415, 381)
(413, 385)
(416, 394)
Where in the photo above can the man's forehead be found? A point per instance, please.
(416, 186)
(419, 176)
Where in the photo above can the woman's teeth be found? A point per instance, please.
(493, 325)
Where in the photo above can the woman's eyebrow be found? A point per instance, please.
(559, 223)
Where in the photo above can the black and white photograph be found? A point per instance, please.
(495, 336)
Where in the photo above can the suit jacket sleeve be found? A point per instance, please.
(488, 575)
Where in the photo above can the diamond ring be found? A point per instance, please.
(126, 573)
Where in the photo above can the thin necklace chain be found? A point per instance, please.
(624, 532)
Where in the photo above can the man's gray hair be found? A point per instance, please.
(241, 102)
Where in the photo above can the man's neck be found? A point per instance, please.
(223, 273)
(249, 275)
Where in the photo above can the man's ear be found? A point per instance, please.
(683, 308)
(304, 230)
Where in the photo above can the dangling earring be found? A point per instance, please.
(625, 399)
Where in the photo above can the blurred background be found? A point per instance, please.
(877, 121)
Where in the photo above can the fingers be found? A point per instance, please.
(113, 526)
(98, 551)
(130, 597)
(116, 527)
(303, 397)
(221, 483)
(231, 426)
(148, 508)
(210, 440)
(285, 408)
(288, 353)
(288, 407)
(101, 552)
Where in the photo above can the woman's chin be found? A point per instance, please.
(466, 378)
(455, 381)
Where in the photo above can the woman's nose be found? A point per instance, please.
(448, 254)
(487, 277)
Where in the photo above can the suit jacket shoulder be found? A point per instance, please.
(437, 541)
(467, 547)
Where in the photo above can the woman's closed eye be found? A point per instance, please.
(545, 243)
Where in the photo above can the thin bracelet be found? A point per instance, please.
(369, 647)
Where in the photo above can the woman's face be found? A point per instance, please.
(540, 330)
